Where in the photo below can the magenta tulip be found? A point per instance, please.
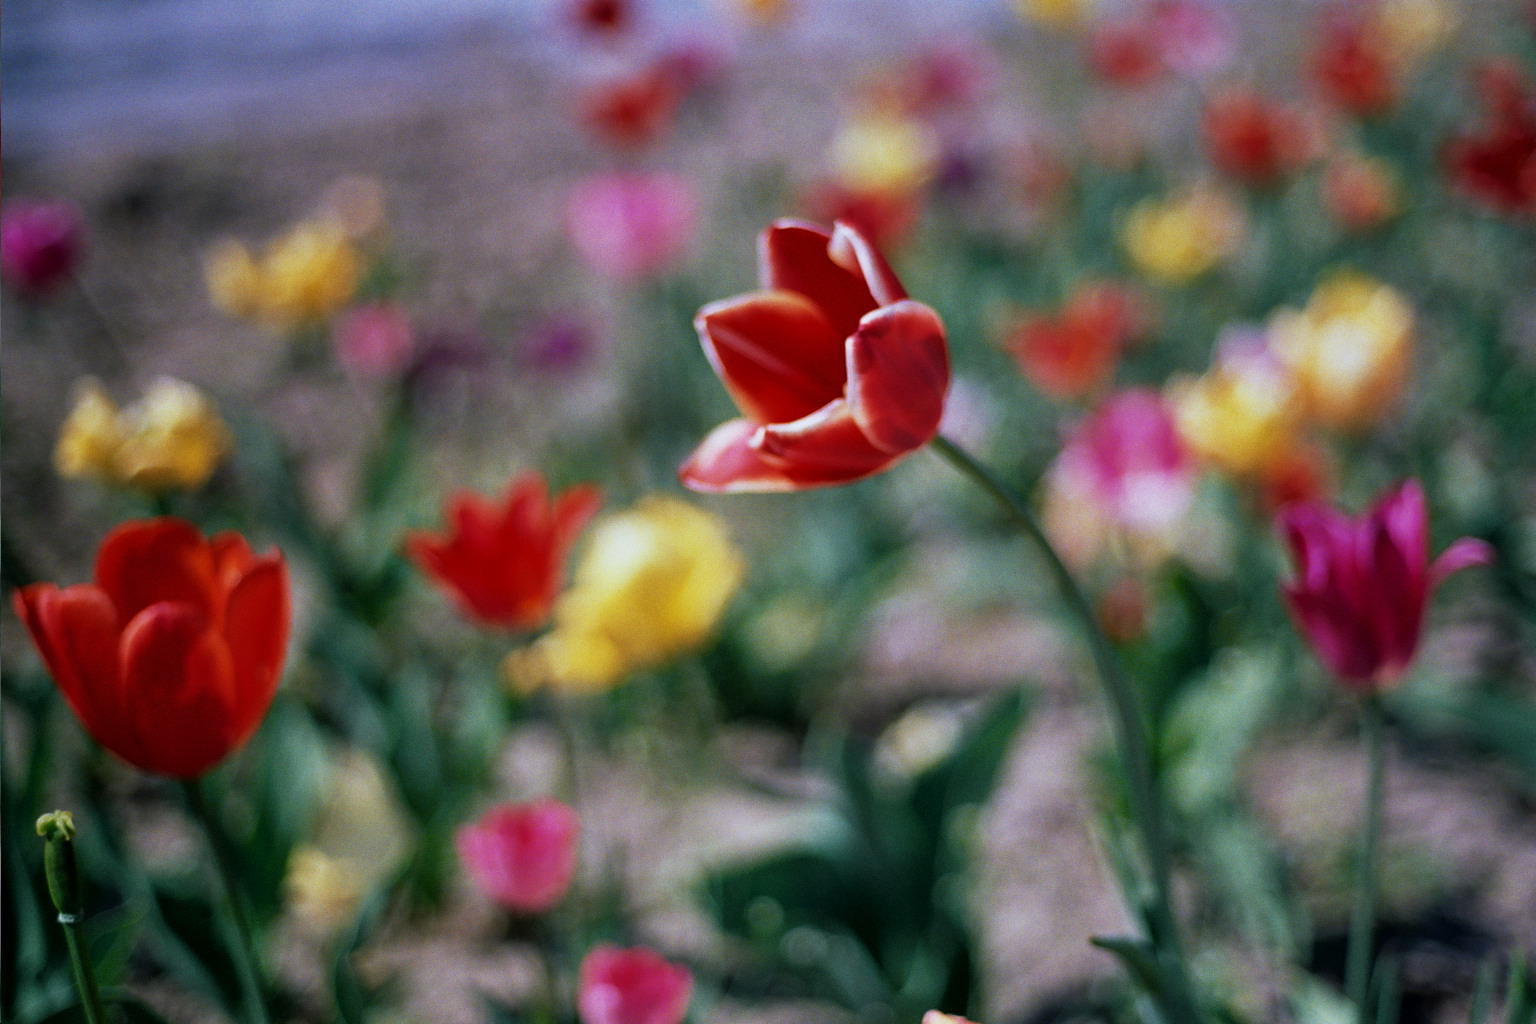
(632, 986)
(522, 855)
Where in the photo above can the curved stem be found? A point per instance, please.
(1130, 726)
(1357, 963)
(238, 921)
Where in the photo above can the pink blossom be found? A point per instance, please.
(1362, 584)
(522, 855)
(40, 245)
(632, 225)
(1197, 39)
(375, 340)
(1131, 461)
(632, 986)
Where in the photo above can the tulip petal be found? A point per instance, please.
(854, 252)
(1462, 554)
(726, 462)
(152, 560)
(180, 679)
(1336, 638)
(775, 352)
(795, 256)
(256, 624)
(823, 448)
(573, 510)
(898, 373)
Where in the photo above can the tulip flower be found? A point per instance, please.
(375, 340)
(171, 658)
(301, 278)
(1362, 584)
(1353, 68)
(40, 245)
(630, 226)
(1254, 140)
(1498, 168)
(1176, 240)
(1070, 354)
(502, 563)
(838, 374)
(171, 439)
(1361, 192)
(635, 110)
(1242, 415)
(651, 584)
(631, 986)
(522, 855)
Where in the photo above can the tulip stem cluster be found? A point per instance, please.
(237, 922)
(1357, 963)
(63, 876)
(1130, 731)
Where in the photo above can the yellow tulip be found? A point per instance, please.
(1053, 13)
(171, 439)
(1177, 240)
(233, 278)
(1347, 351)
(885, 154)
(1240, 416)
(651, 584)
(303, 277)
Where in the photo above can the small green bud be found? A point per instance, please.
(58, 830)
(57, 825)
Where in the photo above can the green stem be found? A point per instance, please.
(1357, 963)
(1130, 729)
(63, 876)
(237, 920)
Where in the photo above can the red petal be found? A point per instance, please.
(256, 626)
(795, 257)
(727, 462)
(178, 680)
(573, 510)
(827, 446)
(776, 353)
(898, 373)
(152, 560)
(854, 252)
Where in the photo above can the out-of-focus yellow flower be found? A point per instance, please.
(359, 839)
(764, 12)
(652, 583)
(1413, 29)
(885, 153)
(1347, 351)
(171, 439)
(305, 276)
(1176, 240)
(1053, 13)
(1241, 416)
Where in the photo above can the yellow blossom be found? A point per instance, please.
(1177, 240)
(1347, 351)
(171, 439)
(1240, 416)
(234, 280)
(1413, 29)
(305, 276)
(884, 154)
(651, 584)
(1053, 13)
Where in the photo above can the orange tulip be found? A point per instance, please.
(171, 658)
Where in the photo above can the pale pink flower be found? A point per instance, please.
(632, 225)
(522, 855)
(375, 340)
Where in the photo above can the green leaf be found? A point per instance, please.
(1138, 958)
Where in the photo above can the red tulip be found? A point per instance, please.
(502, 564)
(1353, 68)
(1499, 167)
(170, 659)
(1254, 140)
(40, 245)
(632, 986)
(1074, 352)
(836, 372)
(1124, 52)
(522, 855)
(1363, 583)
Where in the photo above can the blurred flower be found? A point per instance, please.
(631, 986)
(1362, 584)
(1498, 168)
(41, 242)
(321, 890)
(503, 564)
(948, 75)
(301, 278)
(763, 12)
(559, 344)
(1255, 140)
(171, 439)
(883, 153)
(633, 111)
(1302, 473)
(375, 340)
(171, 658)
(1176, 240)
(651, 584)
(837, 373)
(1242, 415)
(885, 218)
(601, 17)
(1196, 38)
(632, 225)
(1410, 30)
(1074, 352)
(1353, 67)
(920, 739)
(1122, 52)
(1124, 472)
(1056, 14)
(1361, 192)
(1347, 351)
(522, 855)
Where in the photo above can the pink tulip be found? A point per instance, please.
(632, 986)
(375, 340)
(40, 245)
(522, 855)
(632, 226)
(1362, 583)
(1128, 459)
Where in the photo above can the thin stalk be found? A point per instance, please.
(63, 877)
(233, 904)
(1357, 963)
(1129, 722)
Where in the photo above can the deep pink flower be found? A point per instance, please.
(40, 245)
(1362, 583)
(632, 225)
(522, 855)
(632, 986)
(375, 340)
(1128, 459)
